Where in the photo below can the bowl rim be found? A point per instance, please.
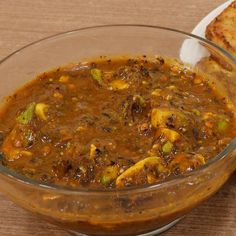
(140, 188)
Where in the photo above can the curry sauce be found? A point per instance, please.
(114, 123)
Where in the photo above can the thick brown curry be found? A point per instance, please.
(114, 123)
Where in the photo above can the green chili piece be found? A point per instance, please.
(140, 100)
(105, 180)
(26, 116)
(167, 147)
(109, 174)
(222, 125)
(97, 76)
(196, 112)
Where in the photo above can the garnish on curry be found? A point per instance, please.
(114, 123)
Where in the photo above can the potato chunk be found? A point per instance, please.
(170, 134)
(40, 110)
(119, 84)
(152, 163)
(162, 117)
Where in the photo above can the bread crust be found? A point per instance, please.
(222, 30)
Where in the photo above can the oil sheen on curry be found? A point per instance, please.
(114, 123)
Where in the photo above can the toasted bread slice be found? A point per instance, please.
(222, 30)
(212, 67)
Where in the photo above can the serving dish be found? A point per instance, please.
(200, 28)
(190, 49)
(144, 210)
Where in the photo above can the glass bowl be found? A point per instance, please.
(144, 210)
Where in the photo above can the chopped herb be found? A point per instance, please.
(26, 116)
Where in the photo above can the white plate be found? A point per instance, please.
(191, 51)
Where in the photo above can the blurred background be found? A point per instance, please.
(24, 21)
